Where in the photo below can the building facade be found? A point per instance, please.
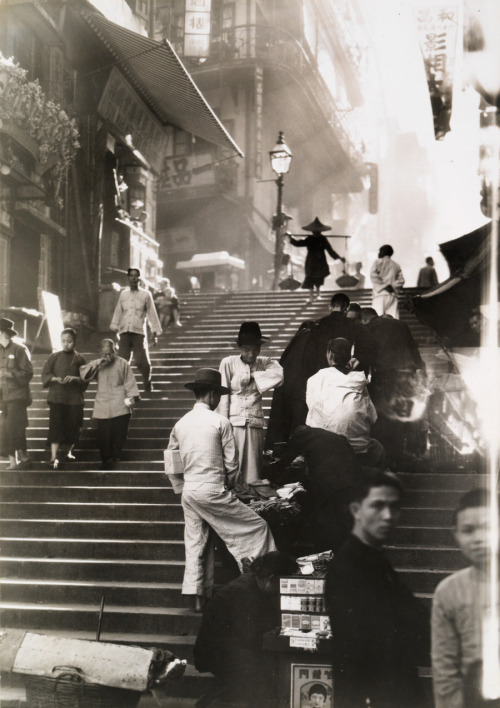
(265, 66)
(75, 215)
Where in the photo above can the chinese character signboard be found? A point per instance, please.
(311, 686)
(197, 28)
(439, 27)
(125, 110)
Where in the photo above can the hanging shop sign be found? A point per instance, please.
(440, 30)
(122, 107)
(197, 28)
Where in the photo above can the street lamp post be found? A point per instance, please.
(281, 158)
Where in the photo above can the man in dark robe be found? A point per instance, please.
(381, 632)
(397, 387)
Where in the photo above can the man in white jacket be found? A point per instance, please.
(338, 400)
(387, 279)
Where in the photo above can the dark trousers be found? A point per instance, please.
(13, 424)
(111, 435)
(287, 413)
(136, 343)
(333, 522)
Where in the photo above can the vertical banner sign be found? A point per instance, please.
(259, 102)
(197, 28)
(439, 27)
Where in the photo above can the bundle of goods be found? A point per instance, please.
(64, 673)
(279, 508)
(315, 564)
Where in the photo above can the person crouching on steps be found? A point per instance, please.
(248, 375)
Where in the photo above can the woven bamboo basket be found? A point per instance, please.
(69, 690)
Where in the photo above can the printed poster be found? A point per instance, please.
(311, 686)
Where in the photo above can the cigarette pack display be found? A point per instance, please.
(304, 604)
(315, 623)
(325, 623)
(305, 623)
(302, 586)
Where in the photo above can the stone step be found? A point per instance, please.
(117, 618)
(129, 529)
(427, 557)
(169, 548)
(192, 685)
(130, 454)
(42, 591)
(113, 478)
(146, 464)
(442, 481)
(91, 512)
(162, 571)
(67, 477)
(437, 517)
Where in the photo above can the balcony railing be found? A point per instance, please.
(276, 46)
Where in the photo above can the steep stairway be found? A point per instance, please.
(72, 536)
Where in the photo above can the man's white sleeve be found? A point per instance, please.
(229, 452)
(399, 281)
(225, 375)
(173, 443)
(117, 315)
(271, 376)
(153, 319)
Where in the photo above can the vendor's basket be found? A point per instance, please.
(69, 690)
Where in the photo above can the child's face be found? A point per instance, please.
(317, 700)
(472, 534)
(67, 342)
(249, 353)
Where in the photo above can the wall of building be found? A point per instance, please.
(262, 78)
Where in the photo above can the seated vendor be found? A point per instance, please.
(235, 620)
(332, 469)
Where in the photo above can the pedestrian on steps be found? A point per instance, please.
(316, 266)
(116, 394)
(209, 460)
(248, 375)
(387, 280)
(61, 375)
(16, 372)
(134, 308)
(167, 304)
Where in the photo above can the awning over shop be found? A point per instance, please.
(211, 260)
(448, 307)
(161, 79)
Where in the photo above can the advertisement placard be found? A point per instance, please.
(311, 686)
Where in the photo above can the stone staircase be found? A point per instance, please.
(72, 536)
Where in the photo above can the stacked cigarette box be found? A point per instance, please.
(303, 605)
